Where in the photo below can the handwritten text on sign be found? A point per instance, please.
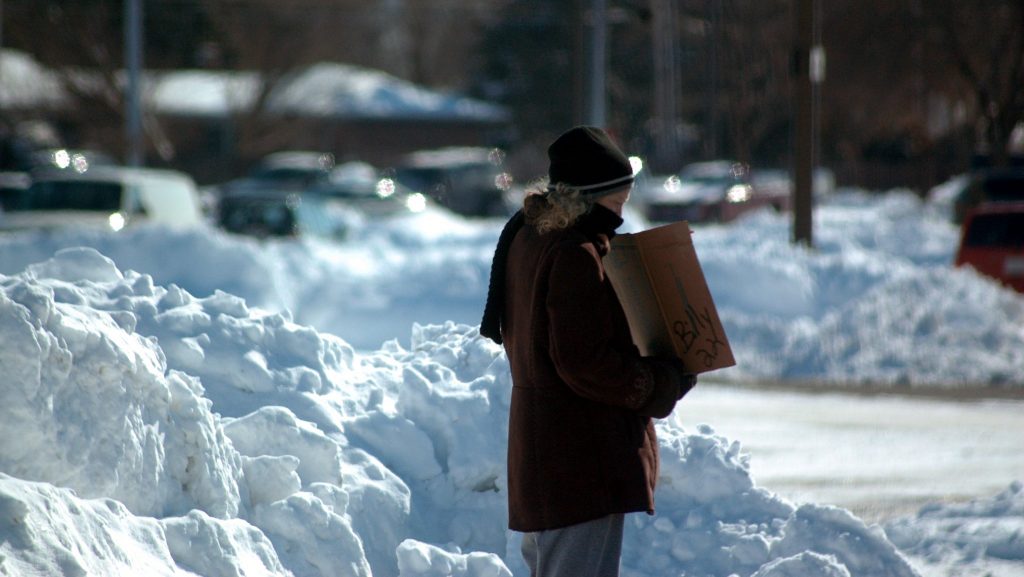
(697, 329)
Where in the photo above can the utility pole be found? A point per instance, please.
(596, 86)
(1, 37)
(133, 87)
(666, 84)
(712, 123)
(803, 122)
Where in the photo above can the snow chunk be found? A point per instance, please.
(963, 532)
(143, 435)
(312, 538)
(80, 264)
(803, 565)
(50, 531)
(417, 559)
(221, 548)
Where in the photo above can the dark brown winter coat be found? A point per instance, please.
(581, 441)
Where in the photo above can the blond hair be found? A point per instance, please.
(549, 209)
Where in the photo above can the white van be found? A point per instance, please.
(107, 197)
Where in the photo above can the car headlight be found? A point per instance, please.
(116, 221)
(738, 193)
(416, 202)
(385, 187)
(503, 181)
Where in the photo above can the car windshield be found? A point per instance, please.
(714, 172)
(1005, 188)
(420, 178)
(352, 189)
(258, 217)
(290, 173)
(68, 195)
(996, 230)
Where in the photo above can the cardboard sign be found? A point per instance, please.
(662, 289)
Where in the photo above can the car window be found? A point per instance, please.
(312, 218)
(68, 195)
(167, 199)
(996, 230)
(1006, 194)
(351, 189)
(475, 176)
(715, 172)
(290, 173)
(258, 218)
(420, 179)
(1004, 188)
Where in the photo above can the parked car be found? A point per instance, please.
(293, 169)
(777, 184)
(12, 184)
(108, 197)
(471, 181)
(992, 242)
(713, 191)
(279, 213)
(989, 185)
(361, 186)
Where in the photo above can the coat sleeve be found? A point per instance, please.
(587, 354)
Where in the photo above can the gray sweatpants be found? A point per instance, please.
(590, 549)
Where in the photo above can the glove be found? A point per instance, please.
(671, 383)
(686, 383)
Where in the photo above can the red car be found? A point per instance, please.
(713, 191)
(992, 242)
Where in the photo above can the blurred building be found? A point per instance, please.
(215, 124)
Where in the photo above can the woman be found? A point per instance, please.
(582, 450)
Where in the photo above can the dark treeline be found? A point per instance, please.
(913, 91)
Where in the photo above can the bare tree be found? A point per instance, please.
(86, 63)
(271, 39)
(442, 36)
(983, 41)
(755, 53)
(888, 61)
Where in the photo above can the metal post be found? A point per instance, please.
(712, 128)
(803, 157)
(133, 88)
(1, 24)
(666, 84)
(1, 35)
(598, 33)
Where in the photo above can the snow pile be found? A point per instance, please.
(877, 301)
(713, 520)
(148, 430)
(50, 531)
(90, 404)
(992, 528)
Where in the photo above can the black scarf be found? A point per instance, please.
(598, 222)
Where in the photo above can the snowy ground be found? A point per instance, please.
(879, 456)
(885, 457)
(188, 403)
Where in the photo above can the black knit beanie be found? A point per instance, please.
(584, 158)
